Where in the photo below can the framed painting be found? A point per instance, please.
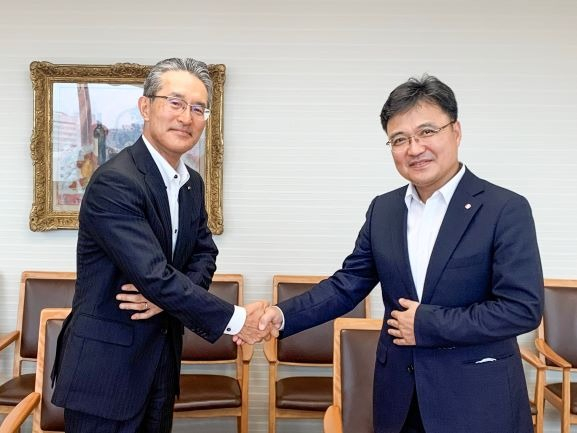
(84, 115)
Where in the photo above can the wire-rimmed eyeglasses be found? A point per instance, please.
(401, 142)
(179, 105)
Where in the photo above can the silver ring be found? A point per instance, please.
(146, 305)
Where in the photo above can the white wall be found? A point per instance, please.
(304, 151)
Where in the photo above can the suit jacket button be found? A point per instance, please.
(410, 368)
(164, 331)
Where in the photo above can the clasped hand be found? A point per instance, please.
(256, 327)
(402, 323)
(262, 320)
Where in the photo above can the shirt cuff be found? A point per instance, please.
(282, 314)
(236, 322)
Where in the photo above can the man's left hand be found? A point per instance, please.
(135, 301)
(402, 323)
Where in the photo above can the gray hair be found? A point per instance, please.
(195, 67)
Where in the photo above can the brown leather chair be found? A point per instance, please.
(557, 344)
(355, 347)
(47, 417)
(536, 400)
(294, 396)
(38, 290)
(216, 395)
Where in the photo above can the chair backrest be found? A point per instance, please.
(196, 349)
(39, 290)
(48, 418)
(314, 345)
(355, 347)
(559, 327)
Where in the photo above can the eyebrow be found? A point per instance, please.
(421, 126)
(181, 96)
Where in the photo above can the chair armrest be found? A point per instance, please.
(550, 354)
(532, 358)
(269, 348)
(7, 339)
(21, 411)
(247, 352)
(333, 422)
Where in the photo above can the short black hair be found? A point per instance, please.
(415, 90)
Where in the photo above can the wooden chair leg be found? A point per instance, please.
(272, 400)
(271, 419)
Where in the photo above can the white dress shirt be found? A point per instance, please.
(174, 180)
(423, 223)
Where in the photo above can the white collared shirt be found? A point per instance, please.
(174, 180)
(423, 223)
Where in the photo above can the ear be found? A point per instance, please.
(457, 131)
(144, 107)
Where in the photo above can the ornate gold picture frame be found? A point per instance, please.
(83, 115)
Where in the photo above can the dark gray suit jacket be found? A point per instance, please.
(106, 361)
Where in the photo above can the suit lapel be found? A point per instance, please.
(155, 184)
(185, 206)
(399, 243)
(463, 206)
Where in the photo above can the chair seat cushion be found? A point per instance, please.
(16, 389)
(207, 391)
(555, 388)
(304, 393)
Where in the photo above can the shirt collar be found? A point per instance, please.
(167, 172)
(446, 191)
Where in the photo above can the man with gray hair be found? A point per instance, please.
(143, 239)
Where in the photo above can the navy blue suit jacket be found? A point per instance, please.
(107, 361)
(483, 287)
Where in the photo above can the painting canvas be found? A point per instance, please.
(91, 122)
(84, 115)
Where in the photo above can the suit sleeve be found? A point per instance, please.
(114, 215)
(515, 303)
(339, 293)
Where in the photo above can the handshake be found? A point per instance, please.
(263, 321)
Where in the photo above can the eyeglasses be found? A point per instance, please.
(178, 106)
(401, 142)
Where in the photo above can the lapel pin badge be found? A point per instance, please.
(468, 206)
(188, 187)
